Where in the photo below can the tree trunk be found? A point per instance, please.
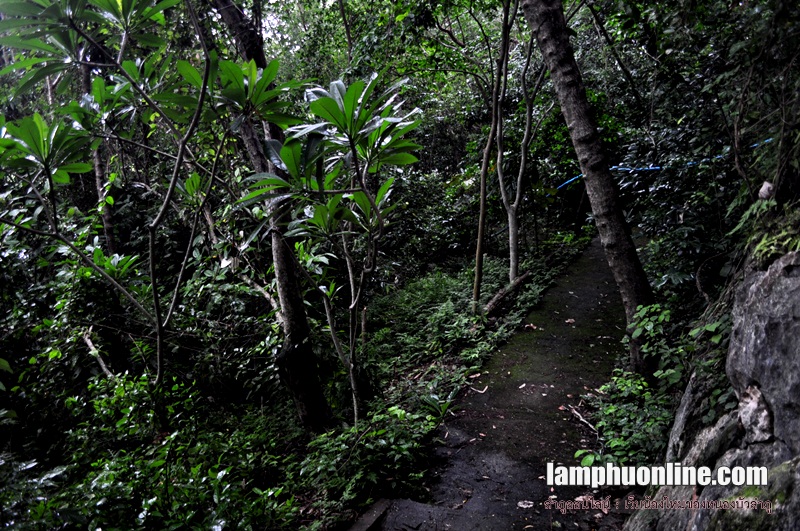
(296, 362)
(546, 17)
(487, 152)
(513, 243)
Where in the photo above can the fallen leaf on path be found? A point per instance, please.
(482, 434)
(561, 408)
(525, 504)
(523, 385)
(476, 375)
(570, 321)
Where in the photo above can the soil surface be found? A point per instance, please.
(515, 417)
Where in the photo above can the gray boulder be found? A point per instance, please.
(763, 366)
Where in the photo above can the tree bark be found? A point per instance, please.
(546, 17)
(296, 362)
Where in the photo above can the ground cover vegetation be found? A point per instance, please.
(248, 249)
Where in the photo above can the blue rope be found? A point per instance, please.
(658, 168)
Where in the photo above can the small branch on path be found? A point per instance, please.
(580, 418)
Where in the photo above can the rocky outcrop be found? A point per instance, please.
(763, 366)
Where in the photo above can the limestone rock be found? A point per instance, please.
(763, 366)
(765, 344)
(755, 416)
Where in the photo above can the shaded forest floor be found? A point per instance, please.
(514, 417)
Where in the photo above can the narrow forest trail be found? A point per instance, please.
(509, 422)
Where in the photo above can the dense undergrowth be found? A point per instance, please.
(135, 457)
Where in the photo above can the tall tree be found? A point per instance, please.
(296, 362)
(546, 17)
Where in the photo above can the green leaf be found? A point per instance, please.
(383, 190)
(77, 167)
(190, 74)
(21, 9)
(264, 186)
(182, 100)
(351, 99)
(61, 177)
(399, 159)
(232, 75)
(328, 109)
(193, 184)
(159, 8)
(35, 76)
(297, 132)
(36, 45)
(291, 155)
(251, 72)
(363, 203)
(281, 120)
(149, 40)
(338, 91)
(23, 64)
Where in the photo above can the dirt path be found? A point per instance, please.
(510, 422)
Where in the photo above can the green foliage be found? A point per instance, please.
(774, 236)
(652, 332)
(632, 419)
(354, 464)
(202, 468)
